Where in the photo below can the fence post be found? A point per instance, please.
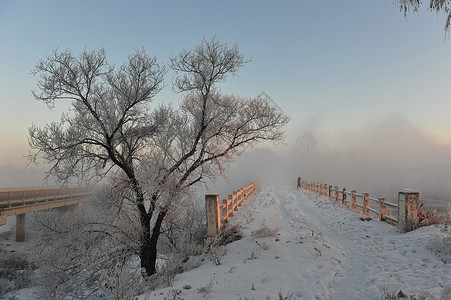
(225, 210)
(213, 214)
(366, 204)
(354, 199)
(343, 201)
(230, 201)
(337, 193)
(383, 208)
(408, 205)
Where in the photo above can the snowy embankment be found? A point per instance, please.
(298, 245)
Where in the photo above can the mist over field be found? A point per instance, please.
(381, 158)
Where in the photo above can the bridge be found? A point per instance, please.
(19, 202)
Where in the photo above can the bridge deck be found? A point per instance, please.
(23, 201)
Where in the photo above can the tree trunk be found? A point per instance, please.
(146, 247)
(148, 253)
(149, 238)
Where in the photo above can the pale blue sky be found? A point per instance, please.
(333, 66)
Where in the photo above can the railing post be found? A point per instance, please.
(225, 210)
(383, 209)
(354, 199)
(343, 201)
(337, 193)
(408, 205)
(213, 214)
(230, 201)
(366, 204)
(330, 187)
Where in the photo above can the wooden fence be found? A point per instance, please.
(401, 214)
(220, 213)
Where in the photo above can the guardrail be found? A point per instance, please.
(220, 213)
(17, 198)
(20, 202)
(401, 214)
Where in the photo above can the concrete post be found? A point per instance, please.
(20, 228)
(2, 220)
(408, 205)
(213, 214)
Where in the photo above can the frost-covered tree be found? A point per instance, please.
(113, 130)
(434, 5)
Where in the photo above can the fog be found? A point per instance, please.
(13, 176)
(381, 158)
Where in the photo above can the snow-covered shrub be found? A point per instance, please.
(440, 244)
(428, 216)
(15, 273)
(205, 290)
(89, 252)
(289, 296)
(184, 226)
(401, 295)
(191, 255)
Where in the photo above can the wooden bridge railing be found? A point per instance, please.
(21, 198)
(219, 213)
(400, 214)
(20, 202)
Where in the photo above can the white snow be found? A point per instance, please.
(321, 251)
(315, 249)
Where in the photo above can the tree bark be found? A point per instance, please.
(146, 247)
(148, 251)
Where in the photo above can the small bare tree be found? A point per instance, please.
(160, 152)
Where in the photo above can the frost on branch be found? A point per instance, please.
(154, 153)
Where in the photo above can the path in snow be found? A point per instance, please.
(371, 255)
(321, 251)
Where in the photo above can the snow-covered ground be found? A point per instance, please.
(311, 248)
(297, 245)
